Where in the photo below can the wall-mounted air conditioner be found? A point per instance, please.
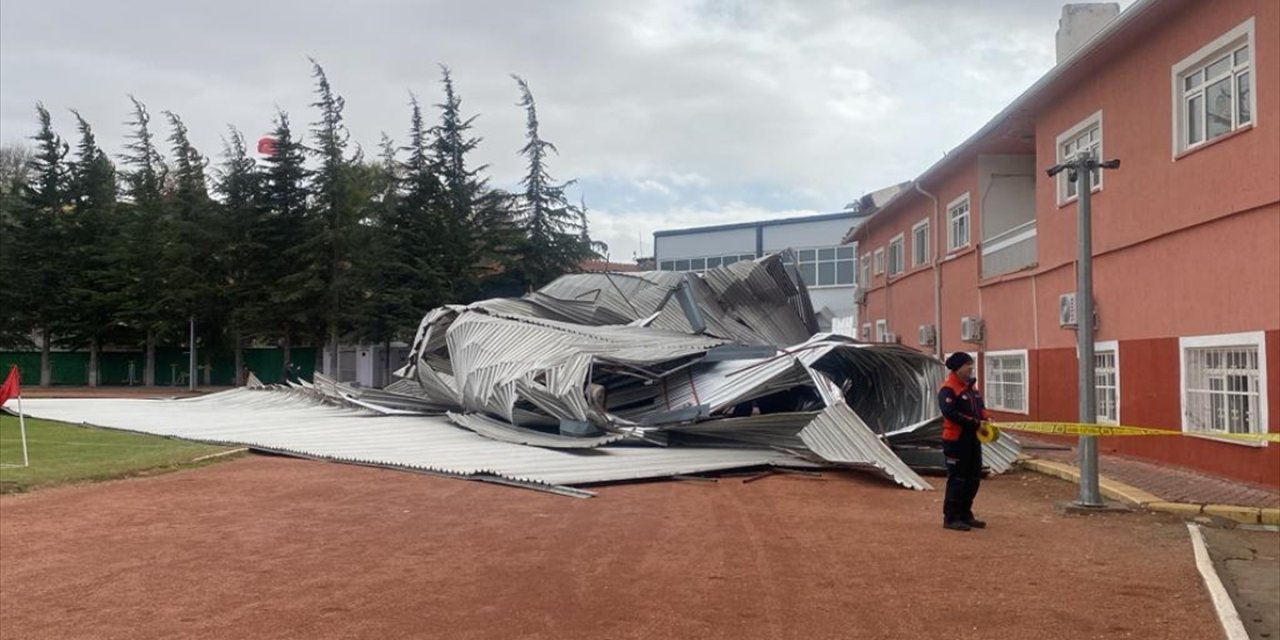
(928, 335)
(1069, 312)
(859, 294)
(970, 329)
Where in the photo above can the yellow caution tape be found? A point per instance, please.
(988, 432)
(1077, 429)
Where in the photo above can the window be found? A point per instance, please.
(1085, 136)
(866, 332)
(879, 261)
(882, 331)
(920, 243)
(704, 264)
(1005, 380)
(958, 223)
(1213, 89)
(826, 266)
(1223, 383)
(1106, 381)
(895, 255)
(864, 269)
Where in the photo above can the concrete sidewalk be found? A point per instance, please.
(1158, 487)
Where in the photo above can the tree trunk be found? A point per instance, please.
(149, 369)
(333, 349)
(46, 360)
(386, 354)
(93, 362)
(288, 354)
(239, 372)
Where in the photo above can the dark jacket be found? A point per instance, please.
(962, 408)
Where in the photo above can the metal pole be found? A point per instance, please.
(22, 428)
(1089, 494)
(191, 363)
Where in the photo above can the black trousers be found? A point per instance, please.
(964, 474)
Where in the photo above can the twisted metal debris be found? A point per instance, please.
(600, 378)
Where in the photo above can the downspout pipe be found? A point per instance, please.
(937, 271)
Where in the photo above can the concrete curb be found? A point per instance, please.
(1228, 615)
(1136, 497)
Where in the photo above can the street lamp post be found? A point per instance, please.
(1080, 168)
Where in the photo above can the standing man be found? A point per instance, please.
(962, 414)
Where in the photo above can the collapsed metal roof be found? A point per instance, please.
(599, 378)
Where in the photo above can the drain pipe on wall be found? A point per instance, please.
(937, 274)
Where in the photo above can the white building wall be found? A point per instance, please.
(711, 243)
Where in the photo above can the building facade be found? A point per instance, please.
(979, 253)
(826, 265)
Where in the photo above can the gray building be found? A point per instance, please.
(826, 266)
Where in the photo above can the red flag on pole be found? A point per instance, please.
(267, 146)
(10, 387)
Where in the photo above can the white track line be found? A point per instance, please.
(1232, 627)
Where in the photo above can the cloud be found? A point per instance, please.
(663, 110)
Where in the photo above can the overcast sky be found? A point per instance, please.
(669, 113)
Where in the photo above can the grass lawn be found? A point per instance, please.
(63, 453)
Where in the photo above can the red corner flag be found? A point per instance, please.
(10, 387)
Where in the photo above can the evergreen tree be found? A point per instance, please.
(244, 284)
(297, 290)
(553, 231)
(39, 265)
(142, 270)
(336, 210)
(92, 230)
(15, 333)
(463, 195)
(193, 249)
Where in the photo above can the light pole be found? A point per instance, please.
(1080, 168)
(191, 362)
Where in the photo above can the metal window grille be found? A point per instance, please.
(1006, 382)
(1107, 390)
(1222, 391)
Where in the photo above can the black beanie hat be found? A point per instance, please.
(957, 360)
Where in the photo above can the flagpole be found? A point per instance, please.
(22, 428)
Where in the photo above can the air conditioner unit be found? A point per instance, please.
(1069, 312)
(859, 294)
(928, 335)
(970, 329)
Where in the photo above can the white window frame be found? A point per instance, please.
(866, 332)
(919, 258)
(900, 240)
(1256, 339)
(864, 270)
(1229, 42)
(1026, 381)
(834, 261)
(1072, 136)
(882, 330)
(878, 261)
(1112, 347)
(952, 217)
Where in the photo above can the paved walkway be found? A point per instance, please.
(1174, 484)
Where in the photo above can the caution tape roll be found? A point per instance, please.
(1078, 429)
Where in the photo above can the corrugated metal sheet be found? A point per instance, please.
(293, 423)
(504, 432)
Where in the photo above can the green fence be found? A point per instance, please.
(119, 368)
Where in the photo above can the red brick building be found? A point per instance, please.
(1186, 238)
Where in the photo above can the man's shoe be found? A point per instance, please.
(975, 523)
(955, 525)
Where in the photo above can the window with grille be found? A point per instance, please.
(895, 255)
(1106, 377)
(882, 331)
(704, 263)
(958, 223)
(1214, 89)
(1223, 385)
(864, 269)
(920, 243)
(866, 332)
(1005, 381)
